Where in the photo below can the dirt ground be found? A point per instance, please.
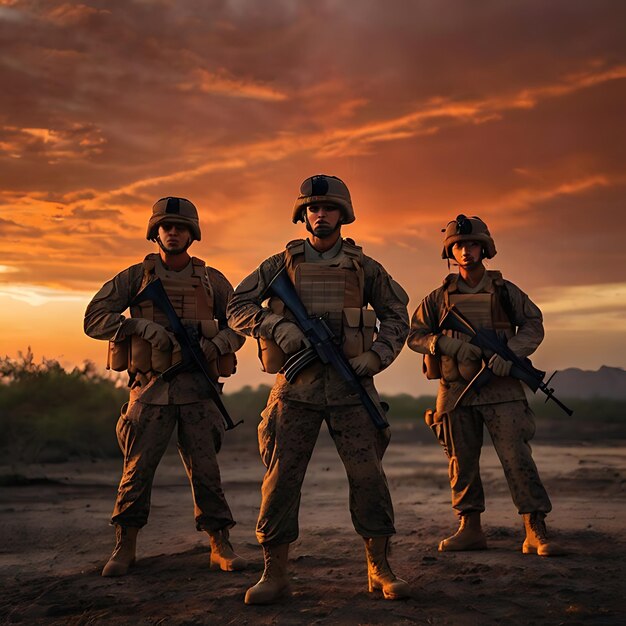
(55, 539)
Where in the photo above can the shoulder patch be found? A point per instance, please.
(399, 292)
(105, 291)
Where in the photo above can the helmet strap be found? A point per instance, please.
(179, 251)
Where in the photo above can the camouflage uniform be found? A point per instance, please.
(155, 407)
(501, 405)
(295, 411)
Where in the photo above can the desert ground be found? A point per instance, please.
(55, 539)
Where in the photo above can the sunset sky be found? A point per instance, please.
(510, 110)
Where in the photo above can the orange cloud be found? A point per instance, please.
(76, 142)
(425, 114)
(69, 14)
(223, 84)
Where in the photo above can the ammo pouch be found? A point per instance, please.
(138, 355)
(226, 364)
(359, 326)
(271, 356)
(358, 330)
(439, 424)
(135, 354)
(431, 367)
(453, 371)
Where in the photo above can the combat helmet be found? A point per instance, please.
(324, 189)
(172, 209)
(467, 229)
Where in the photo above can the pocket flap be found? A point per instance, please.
(369, 318)
(352, 317)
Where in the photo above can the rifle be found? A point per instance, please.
(193, 358)
(323, 346)
(488, 340)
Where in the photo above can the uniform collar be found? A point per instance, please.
(456, 284)
(311, 255)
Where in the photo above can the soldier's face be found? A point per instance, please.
(174, 237)
(322, 219)
(467, 254)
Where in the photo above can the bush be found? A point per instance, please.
(48, 414)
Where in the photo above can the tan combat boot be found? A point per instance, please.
(536, 541)
(379, 574)
(469, 536)
(124, 552)
(222, 554)
(274, 583)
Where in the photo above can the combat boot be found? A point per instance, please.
(469, 536)
(274, 583)
(222, 554)
(379, 574)
(536, 541)
(124, 552)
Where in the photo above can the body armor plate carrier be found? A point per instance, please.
(332, 288)
(191, 295)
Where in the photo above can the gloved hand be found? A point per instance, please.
(500, 366)
(462, 350)
(289, 337)
(366, 364)
(150, 331)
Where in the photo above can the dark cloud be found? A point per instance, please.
(426, 109)
(12, 230)
(95, 214)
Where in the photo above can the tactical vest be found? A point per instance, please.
(332, 288)
(191, 295)
(483, 310)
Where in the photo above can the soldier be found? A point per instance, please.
(335, 279)
(143, 345)
(488, 301)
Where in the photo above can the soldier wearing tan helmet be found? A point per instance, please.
(143, 345)
(334, 279)
(488, 301)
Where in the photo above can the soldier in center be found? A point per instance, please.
(334, 279)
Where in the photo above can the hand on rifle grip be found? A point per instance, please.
(289, 337)
(152, 332)
(500, 366)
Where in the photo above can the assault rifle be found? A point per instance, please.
(489, 341)
(193, 358)
(323, 346)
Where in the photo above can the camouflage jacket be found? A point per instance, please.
(527, 320)
(103, 320)
(320, 384)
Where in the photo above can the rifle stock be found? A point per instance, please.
(193, 357)
(487, 339)
(323, 346)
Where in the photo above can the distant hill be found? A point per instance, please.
(607, 382)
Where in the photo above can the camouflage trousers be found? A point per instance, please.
(511, 426)
(143, 433)
(287, 436)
